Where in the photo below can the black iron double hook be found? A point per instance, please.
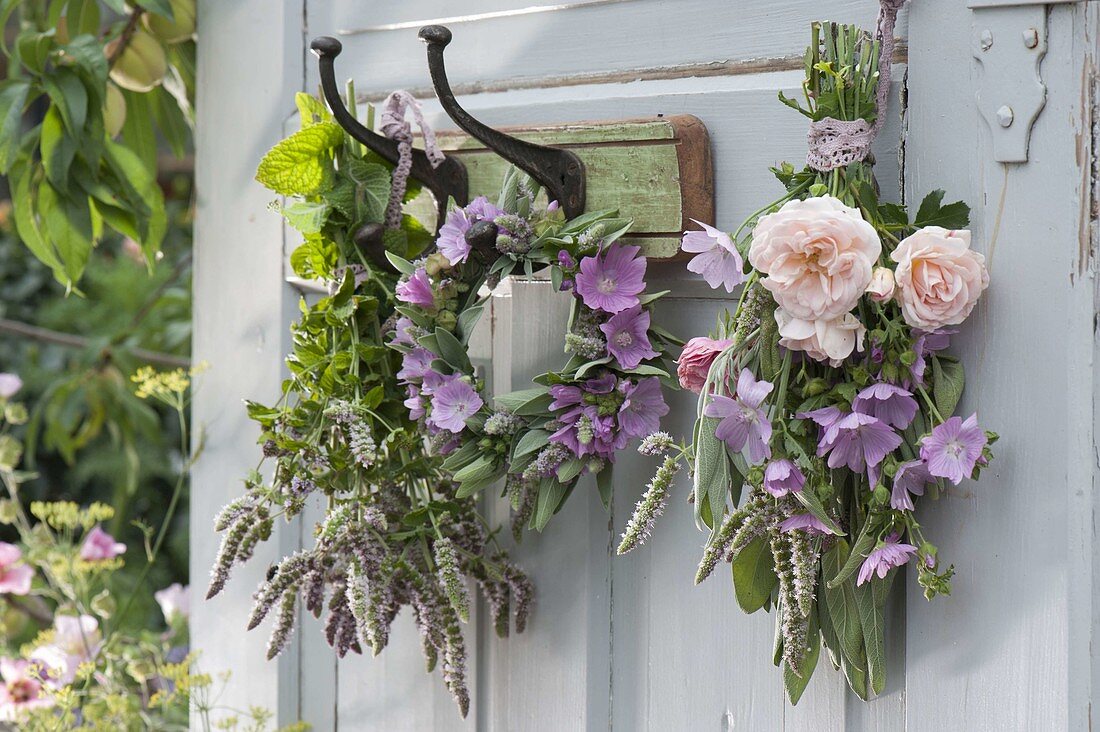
(560, 172)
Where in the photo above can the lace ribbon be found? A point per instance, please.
(834, 143)
(397, 128)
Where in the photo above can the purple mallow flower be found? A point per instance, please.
(414, 403)
(825, 417)
(415, 364)
(805, 522)
(452, 235)
(925, 344)
(453, 403)
(891, 553)
(782, 477)
(858, 440)
(717, 259)
(402, 335)
(641, 413)
(953, 448)
(627, 335)
(744, 424)
(909, 481)
(891, 404)
(417, 290)
(584, 430)
(565, 260)
(611, 281)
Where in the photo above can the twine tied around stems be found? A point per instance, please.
(397, 128)
(835, 143)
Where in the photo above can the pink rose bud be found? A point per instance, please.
(881, 288)
(695, 360)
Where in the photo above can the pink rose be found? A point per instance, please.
(939, 277)
(818, 255)
(821, 340)
(882, 284)
(99, 545)
(695, 360)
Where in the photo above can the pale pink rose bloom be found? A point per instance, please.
(173, 601)
(695, 360)
(15, 575)
(818, 255)
(939, 277)
(9, 385)
(821, 340)
(99, 545)
(20, 691)
(76, 640)
(881, 288)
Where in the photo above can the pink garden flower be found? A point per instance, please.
(887, 555)
(15, 575)
(953, 448)
(939, 277)
(20, 691)
(744, 423)
(818, 255)
(627, 334)
(174, 602)
(695, 360)
(882, 285)
(454, 403)
(452, 235)
(612, 280)
(10, 384)
(417, 290)
(99, 545)
(75, 641)
(804, 522)
(821, 340)
(717, 259)
(782, 477)
(891, 404)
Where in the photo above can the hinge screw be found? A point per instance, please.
(986, 40)
(1031, 38)
(1005, 115)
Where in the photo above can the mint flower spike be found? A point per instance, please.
(651, 505)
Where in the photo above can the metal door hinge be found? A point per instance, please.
(1009, 40)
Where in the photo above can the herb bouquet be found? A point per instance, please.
(395, 530)
(572, 421)
(827, 401)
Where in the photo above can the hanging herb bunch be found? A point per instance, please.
(395, 531)
(573, 421)
(827, 399)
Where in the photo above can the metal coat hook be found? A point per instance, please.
(448, 180)
(560, 172)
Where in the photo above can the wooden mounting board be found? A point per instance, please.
(657, 171)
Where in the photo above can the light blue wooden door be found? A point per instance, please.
(629, 643)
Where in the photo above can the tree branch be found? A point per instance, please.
(33, 332)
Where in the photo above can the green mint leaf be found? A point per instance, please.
(302, 163)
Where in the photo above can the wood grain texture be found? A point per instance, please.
(241, 312)
(640, 34)
(1010, 649)
(657, 171)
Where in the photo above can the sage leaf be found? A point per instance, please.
(712, 469)
(948, 380)
(754, 575)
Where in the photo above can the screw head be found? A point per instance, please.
(1005, 115)
(1031, 38)
(986, 39)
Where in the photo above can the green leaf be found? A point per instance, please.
(864, 543)
(467, 321)
(843, 609)
(140, 188)
(569, 469)
(70, 97)
(461, 457)
(551, 495)
(68, 225)
(311, 110)
(82, 16)
(172, 120)
(305, 216)
(314, 259)
(452, 351)
(372, 189)
(811, 502)
(932, 213)
(604, 485)
(530, 442)
(34, 50)
(160, 7)
(401, 264)
(754, 575)
(948, 380)
(476, 475)
(302, 163)
(712, 470)
(13, 97)
(58, 149)
(795, 684)
(513, 401)
(871, 600)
